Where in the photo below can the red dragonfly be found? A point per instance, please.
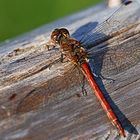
(75, 52)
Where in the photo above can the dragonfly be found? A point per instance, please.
(75, 51)
(76, 54)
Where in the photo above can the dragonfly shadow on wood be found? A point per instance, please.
(96, 64)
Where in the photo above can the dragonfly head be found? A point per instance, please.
(59, 34)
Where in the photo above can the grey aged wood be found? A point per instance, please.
(38, 93)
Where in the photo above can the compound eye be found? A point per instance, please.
(64, 32)
(56, 30)
(55, 34)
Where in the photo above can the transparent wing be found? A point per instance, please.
(111, 25)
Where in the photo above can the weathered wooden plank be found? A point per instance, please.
(38, 97)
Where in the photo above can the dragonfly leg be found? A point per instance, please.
(84, 92)
(62, 57)
(48, 46)
(82, 81)
(106, 78)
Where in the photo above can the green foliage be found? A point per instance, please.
(19, 16)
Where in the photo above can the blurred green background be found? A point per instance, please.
(19, 16)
